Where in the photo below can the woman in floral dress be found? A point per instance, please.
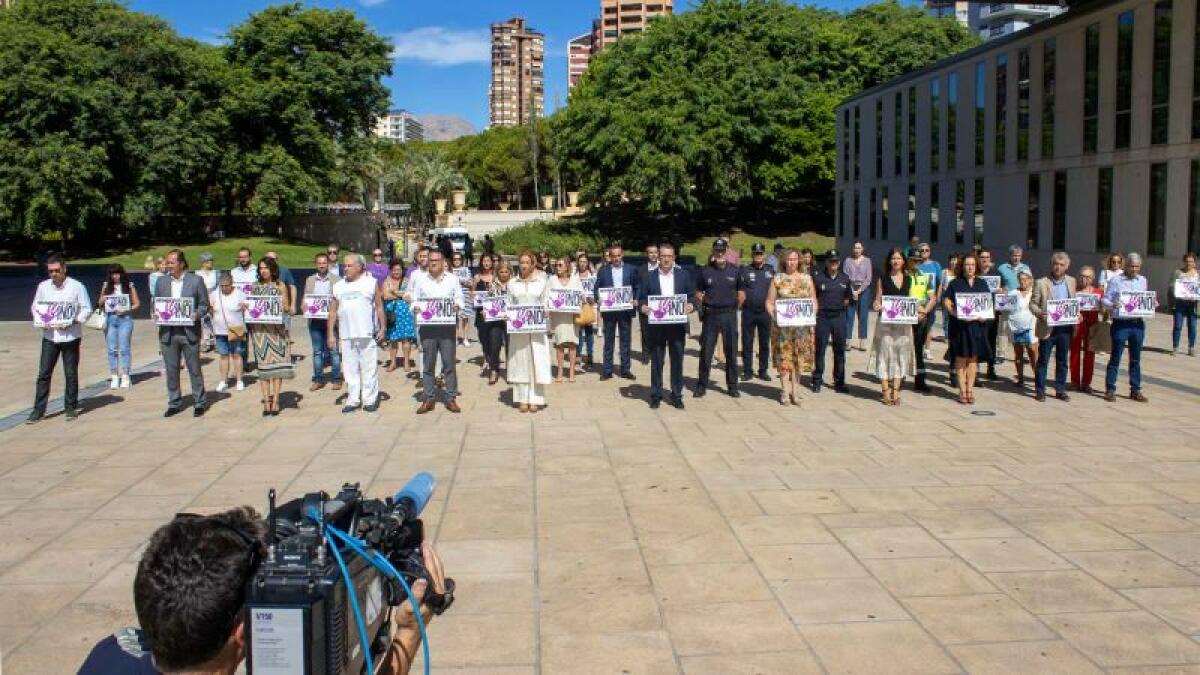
(793, 348)
(401, 332)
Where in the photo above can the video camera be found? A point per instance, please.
(300, 615)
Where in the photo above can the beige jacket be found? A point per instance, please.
(1037, 302)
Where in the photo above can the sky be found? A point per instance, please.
(442, 49)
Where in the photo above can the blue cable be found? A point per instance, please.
(358, 617)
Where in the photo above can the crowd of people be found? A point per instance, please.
(790, 306)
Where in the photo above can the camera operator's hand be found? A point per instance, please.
(406, 636)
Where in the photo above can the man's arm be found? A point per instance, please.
(331, 323)
(85, 305)
(380, 317)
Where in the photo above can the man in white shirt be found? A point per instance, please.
(245, 275)
(357, 322)
(61, 306)
(437, 340)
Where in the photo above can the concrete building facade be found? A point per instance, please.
(623, 17)
(991, 20)
(517, 92)
(579, 55)
(1080, 133)
(400, 126)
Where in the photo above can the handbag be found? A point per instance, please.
(236, 333)
(98, 320)
(586, 316)
(1099, 337)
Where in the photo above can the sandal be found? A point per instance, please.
(962, 399)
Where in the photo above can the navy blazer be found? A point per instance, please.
(684, 285)
(604, 279)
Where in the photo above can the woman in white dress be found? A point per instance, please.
(528, 353)
(562, 324)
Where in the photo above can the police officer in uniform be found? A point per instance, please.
(719, 292)
(756, 280)
(924, 288)
(834, 293)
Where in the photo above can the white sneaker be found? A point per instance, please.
(125, 383)
(222, 386)
(241, 386)
(114, 382)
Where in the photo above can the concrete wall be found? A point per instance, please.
(479, 223)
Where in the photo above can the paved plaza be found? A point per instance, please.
(600, 536)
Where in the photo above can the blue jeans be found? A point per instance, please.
(587, 341)
(860, 309)
(1059, 341)
(1133, 333)
(322, 354)
(1185, 312)
(118, 334)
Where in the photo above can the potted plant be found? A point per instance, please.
(440, 205)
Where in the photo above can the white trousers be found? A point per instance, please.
(360, 367)
(533, 394)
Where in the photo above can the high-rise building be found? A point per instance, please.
(622, 17)
(579, 55)
(956, 9)
(400, 126)
(997, 19)
(517, 93)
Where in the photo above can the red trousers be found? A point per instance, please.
(1080, 352)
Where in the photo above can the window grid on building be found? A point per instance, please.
(879, 138)
(872, 215)
(1001, 111)
(980, 112)
(1124, 102)
(1049, 87)
(857, 140)
(1023, 104)
(952, 119)
(977, 207)
(960, 210)
(898, 134)
(1059, 228)
(935, 124)
(1196, 79)
(1160, 97)
(846, 144)
(883, 213)
(912, 211)
(1156, 232)
(1033, 209)
(1104, 208)
(912, 130)
(1193, 237)
(1091, 88)
(934, 212)
(857, 215)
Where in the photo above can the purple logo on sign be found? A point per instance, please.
(312, 308)
(246, 288)
(256, 312)
(47, 316)
(1056, 313)
(166, 315)
(494, 310)
(791, 310)
(426, 313)
(893, 310)
(557, 302)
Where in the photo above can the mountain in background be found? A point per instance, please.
(445, 127)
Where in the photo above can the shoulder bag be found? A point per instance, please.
(236, 333)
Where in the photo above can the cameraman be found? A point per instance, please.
(189, 594)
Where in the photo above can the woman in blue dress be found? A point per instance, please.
(401, 331)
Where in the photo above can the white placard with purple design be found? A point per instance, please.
(264, 309)
(173, 311)
(617, 299)
(1003, 302)
(974, 306)
(993, 282)
(247, 288)
(589, 284)
(463, 273)
(1137, 304)
(316, 305)
(1187, 289)
(795, 312)
(667, 309)
(899, 309)
(435, 312)
(1088, 302)
(566, 300)
(495, 308)
(477, 298)
(117, 303)
(526, 319)
(54, 313)
(1062, 312)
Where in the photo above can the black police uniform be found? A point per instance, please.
(720, 286)
(756, 281)
(833, 297)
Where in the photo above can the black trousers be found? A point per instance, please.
(70, 359)
(666, 342)
(491, 338)
(830, 326)
(756, 320)
(644, 333)
(920, 332)
(723, 323)
(993, 331)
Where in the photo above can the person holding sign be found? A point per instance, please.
(1127, 297)
(179, 336)
(566, 300)
(835, 293)
(968, 335)
(1055, 324)
(269, 343)
(791, 345)
(665, 335)
(229, 329)
(644, 274)
(616, 288)
(491, 329)
(892, 350)
(60, 307)
(587, 331)
(318, 289)
(401, 331)
(118, 300)
(924, 289)
(459, 268)
(720, 292)
(436, 297)
(1083, 353)
(995, 282)
(528, 352)
(1021, 323)
(357, 321)
(1184, 292)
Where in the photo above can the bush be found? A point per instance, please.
(558, 238)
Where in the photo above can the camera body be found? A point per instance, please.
(298, 607)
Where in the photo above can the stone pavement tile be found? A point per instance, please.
(717, 582)
(1029, 657)
(1190, 669)
(976, 618)
(974, 475)
(806, 561)
(816, 460)
(493, 593)
(965, 497)
(582, 508)
(869, 519)
(1133, 569)
(1174, 471)
(1180, 607)
(487, 556)
(907, 458)
(785, 502)
(103, 533)
(477, 500)
(593, 535)
(1042, 473)
(224, 496)
(1137, 518)
(1058, 592)
(1105, 637)
(730, 627)
(589, 569)
(1044, 495)
(137, 507)
(1118, 472)
(905, 577)
(484, 639)
(33, 604)
(578, 484)
(46, 658)
(1124, 493)
(736, 503)
(970, 524)
(884, 499)
(647, 653)
(31, 488)
(61, 566)
(613, 609)
(1077, 535)
(890, 542)
(659, 490)
(486, 525)
(1009, 554)
(819, 478)
(897, 476)
(1181, 547)
(810, 601)
(1188, 491)
(772, 663)
(790, 529)
(884, 647)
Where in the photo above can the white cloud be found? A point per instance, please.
(371, 3)
(441, 46)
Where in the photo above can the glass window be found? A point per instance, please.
(1161, 80)
(839, 214)
(952, 119)
(912, 130)
(960, 210)
(1124, 102)
(912, 210)
(1194, 208)
(980, 101)
(857, 215)
(898, 134)
(872, 213)
(935, 217)
(1104, 205)
(1196, 81)
(1059, 238)
(1001, 108)
(978, 197)
(1034, 210)
(1049, 85)
(935, 124)
(879, 138)
(846, 144)
(1091, 88)
(883, 214)
(857, 139)
(1158, 209)
(1022, 104)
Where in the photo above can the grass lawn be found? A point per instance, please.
(742, 242)
(224, 253)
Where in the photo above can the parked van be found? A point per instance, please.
(458, 237)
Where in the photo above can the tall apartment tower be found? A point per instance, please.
(622, 17)
(997, 19)
(518, 91)
(400, 126)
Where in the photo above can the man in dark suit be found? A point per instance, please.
(615, 275)
(182, 343)
(644, 272)
(666, 279)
